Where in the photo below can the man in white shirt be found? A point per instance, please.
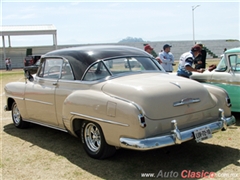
(186, 61)
(167, 58)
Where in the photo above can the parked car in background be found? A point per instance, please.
(226, 75)
(33, 68)
(111, 107)
(31, 59)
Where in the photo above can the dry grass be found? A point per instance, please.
(43, 153)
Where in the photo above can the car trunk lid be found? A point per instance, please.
(161, 95)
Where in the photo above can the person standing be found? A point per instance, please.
(9, 64)
(186, 62)
(167, 58)
(200, 60)
(149, 50)
(6, 63)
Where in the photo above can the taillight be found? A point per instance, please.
(142, 121)
(228, 102)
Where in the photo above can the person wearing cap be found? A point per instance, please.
(167, 58)
(186, 62)
(149, 50)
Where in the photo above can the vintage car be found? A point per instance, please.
(31, 60)
(110, 107)
(226, 75)
(32, 69)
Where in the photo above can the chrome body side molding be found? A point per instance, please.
(99, 119)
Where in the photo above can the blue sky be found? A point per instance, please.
(81, 22)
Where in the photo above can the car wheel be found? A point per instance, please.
(17, 118)
(94, 142)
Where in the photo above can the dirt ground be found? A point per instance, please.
(46, 154)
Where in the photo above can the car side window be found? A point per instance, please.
(123, 65)
(51, 68)
(235, 62)
(131, 65)
(66, 72)
(96, 72)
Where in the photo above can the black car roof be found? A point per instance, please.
(97, 52)
(81, 57)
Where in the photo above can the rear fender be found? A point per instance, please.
(222, 98)
(112, 114)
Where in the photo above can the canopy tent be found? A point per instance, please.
(27, 30)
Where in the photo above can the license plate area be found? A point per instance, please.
(202, 134)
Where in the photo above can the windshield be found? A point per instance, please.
(121, 66)
(222, 65)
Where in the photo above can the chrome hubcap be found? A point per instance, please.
(92, 137)
(16, 114)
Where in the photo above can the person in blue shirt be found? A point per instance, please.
(167, 58)
(186, 62)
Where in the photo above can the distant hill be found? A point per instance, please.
(131, 39)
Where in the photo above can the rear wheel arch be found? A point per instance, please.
(76, 126)
(94, 142)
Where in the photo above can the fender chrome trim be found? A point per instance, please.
(99, 119)
(131, 102)
(41, 102)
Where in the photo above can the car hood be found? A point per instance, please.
(161, 95)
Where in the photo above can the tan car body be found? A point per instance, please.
(137, 111)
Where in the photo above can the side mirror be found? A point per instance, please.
(28, 76)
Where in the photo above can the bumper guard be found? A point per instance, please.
(176, 136)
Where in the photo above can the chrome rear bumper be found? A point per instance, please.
(176, 136)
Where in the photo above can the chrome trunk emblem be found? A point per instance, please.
(186, 101)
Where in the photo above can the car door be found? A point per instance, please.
(65, 86)
(230, 79)
(40, 94)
